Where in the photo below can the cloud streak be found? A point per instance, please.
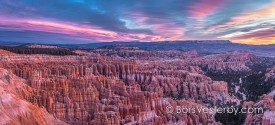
(264, 13)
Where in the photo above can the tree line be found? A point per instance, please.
(49, 51)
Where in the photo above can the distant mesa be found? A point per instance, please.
(117, 47)
(202, 41)
(41, 46)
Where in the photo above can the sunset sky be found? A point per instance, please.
(84, 21)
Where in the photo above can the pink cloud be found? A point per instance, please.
(73, 29)
(169, 30)
(204, 8)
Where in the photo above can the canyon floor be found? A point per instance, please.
(117, 85)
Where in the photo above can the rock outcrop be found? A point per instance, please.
(14, 109)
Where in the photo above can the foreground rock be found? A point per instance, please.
(15, 110)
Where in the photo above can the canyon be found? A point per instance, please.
(117, 85)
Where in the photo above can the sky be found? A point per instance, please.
(86, 21)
